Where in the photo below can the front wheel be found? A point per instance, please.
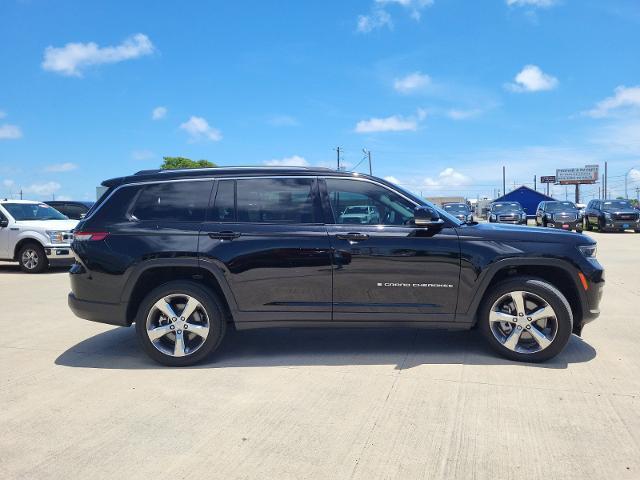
(586, 225)
(526, 319)
(32, 258)
(180, 323)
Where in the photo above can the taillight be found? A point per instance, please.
(90, 236)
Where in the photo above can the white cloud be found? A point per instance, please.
(3, 114)
(159, 113)
(394, 123)
(447, 178)
(283, 121)
(623, 98)
(63, 197)
(10, 132)
(532, 79)
(456, 114)
(42, 189)
(413, 82)
(142, 154)
(379, 17)
(199, 129)
(73, 58)
(61, 167)
(392, 180)
(532, 3)
(7, 182)
(293, 161)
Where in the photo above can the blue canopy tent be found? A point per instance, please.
(527, 197)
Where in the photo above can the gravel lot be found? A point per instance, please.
(80, 400)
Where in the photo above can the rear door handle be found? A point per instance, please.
(224, 235)
(353, 237)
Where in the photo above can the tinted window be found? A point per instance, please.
(387, 207)
(71, 210)
(33, 211)
(224, 209)
(277, 200)
(173, 201)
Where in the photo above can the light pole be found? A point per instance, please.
(626, 182)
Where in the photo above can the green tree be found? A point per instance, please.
(171, 163)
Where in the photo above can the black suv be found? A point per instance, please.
(611, 215)
(187, 253)
(507, 212)
(72, 209)
(459, 210)
(556, 214)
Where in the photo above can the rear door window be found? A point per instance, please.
(184, 201)
(277, 200)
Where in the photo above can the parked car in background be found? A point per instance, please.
(507, 212)
(555, 214)
(364, 214)
(459, 210)
(35, 235)
(611, 215)
(75, 210)
(186, 254)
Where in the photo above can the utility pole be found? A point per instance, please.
(603, 192)
(577, 193)
(338, 157)
(504, 182)
(535, 183)
(368, 155)
(606, 181)
(20, 193)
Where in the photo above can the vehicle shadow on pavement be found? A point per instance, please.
(406, 348)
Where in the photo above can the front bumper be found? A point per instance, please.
(111, 313)
(59, 252)
(621, 224)
(562, 225)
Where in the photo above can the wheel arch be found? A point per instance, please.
(557, 272)
(154, 273)
(24, 241)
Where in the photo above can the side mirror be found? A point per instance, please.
(4, 223)
(424, 216)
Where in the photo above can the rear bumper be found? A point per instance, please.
(111, 313)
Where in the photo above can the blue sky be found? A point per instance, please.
(442, 92)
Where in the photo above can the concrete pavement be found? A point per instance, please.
(80, 400)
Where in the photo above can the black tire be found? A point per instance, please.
(587, 225)
(30, 253)
(215, 313)
(551, 295)
(544, 222)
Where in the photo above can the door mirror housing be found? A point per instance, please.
(424, 216)
(4, 223)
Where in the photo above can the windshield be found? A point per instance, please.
(456, 208)
(619, 204)
(33, 211)
(506, 207)
(356, 210)
(559, 206)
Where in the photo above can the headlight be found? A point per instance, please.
(607, 215)
(588, 251)
(493, 217)
(58, 236)
(469, 217)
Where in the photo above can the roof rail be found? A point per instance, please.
(148, 172)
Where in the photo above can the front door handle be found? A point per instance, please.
(224, 235)
(353, 236)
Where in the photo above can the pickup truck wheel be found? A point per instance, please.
(32, 258)
(526, 319)
(180, 323)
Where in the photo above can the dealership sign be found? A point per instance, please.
(548, 179)
(569, 176)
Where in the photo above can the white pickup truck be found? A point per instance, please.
(35, 235)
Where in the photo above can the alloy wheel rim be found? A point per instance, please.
(177, 325)
(30, 259)
(523, 322)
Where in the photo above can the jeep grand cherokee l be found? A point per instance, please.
(185, 254)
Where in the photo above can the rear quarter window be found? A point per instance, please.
(173, 201)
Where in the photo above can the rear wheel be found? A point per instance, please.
(526, 319)
(586, 225)
(180, 323)
(32, 258)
